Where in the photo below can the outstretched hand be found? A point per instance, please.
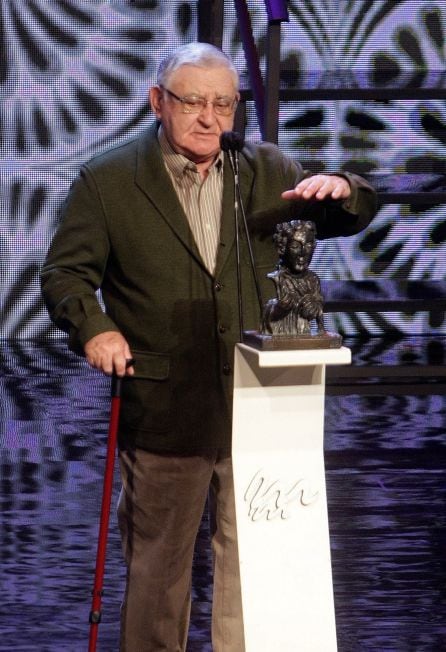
(320, 186)
(109, 353)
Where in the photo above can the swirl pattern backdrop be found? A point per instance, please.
(74, 76)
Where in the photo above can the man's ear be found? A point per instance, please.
(155, 96)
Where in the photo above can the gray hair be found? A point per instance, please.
(195, 54)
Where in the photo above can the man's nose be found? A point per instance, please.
(207, 113)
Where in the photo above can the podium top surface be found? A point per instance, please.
(298, 358)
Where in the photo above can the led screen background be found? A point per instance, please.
(74, 76)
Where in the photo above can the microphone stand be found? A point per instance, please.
(251, 253)
(233, 159)
(238, 203)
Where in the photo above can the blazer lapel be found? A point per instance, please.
(152, 178)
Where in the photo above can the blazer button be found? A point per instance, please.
(227, 369)
(218, 287)
(222, 329)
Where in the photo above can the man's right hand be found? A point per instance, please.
(109, 353)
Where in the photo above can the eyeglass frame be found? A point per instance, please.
(203, 103)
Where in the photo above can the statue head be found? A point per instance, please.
(295, 242)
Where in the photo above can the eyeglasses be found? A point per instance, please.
(196, 103)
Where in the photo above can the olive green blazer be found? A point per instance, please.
(123, 231)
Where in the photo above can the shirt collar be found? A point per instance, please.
(178, 164)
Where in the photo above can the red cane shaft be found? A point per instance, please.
(95, 614)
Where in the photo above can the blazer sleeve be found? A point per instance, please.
(347, 217)
(274, 172)
(75, 264)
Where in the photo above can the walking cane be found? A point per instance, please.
(95, 613)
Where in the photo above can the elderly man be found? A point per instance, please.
(151, 223)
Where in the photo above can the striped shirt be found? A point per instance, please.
(201, 199)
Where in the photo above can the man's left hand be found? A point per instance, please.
(320, 186)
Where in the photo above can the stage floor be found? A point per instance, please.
(386, 486)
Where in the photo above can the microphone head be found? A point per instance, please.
(231, 141)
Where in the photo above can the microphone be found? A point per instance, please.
(232, 143)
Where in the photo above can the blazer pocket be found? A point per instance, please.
(146, 396)
(151, 366)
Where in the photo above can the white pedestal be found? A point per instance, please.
(281, 505)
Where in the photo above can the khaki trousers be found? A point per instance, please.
(159, 512)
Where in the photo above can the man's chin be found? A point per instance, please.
(202, 156)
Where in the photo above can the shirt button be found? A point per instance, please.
(227, 369)
(222, 329)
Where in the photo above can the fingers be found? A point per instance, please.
(129, 365)
(109, 352)
(341, 188)
(320, 186)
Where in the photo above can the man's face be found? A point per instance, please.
(195, 135)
